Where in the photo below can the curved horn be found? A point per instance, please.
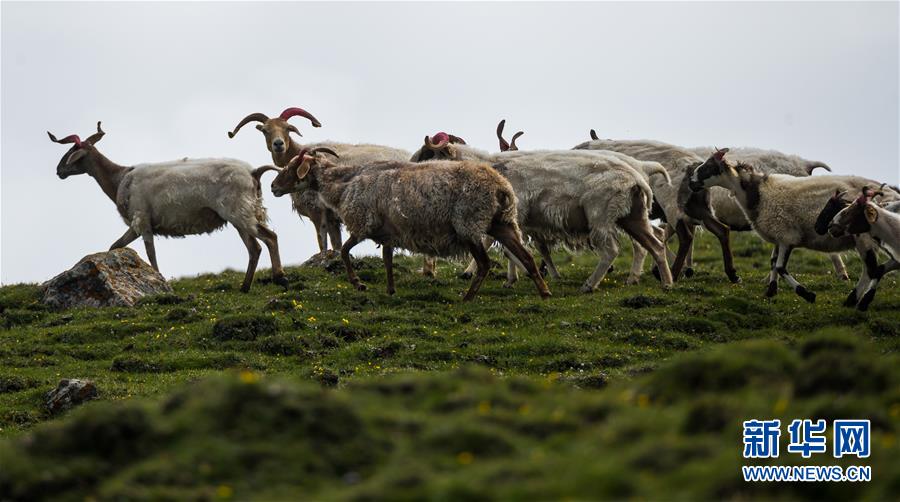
(504, 145)
(838, 194)
(864, 196)
(456, 139)
(323, 149)
(72, 138)
(259, 171)
(438, 141)
(97, 136)
(253, 117)
(512, 143)
(812, 164)
(294, 111)
(594, 135)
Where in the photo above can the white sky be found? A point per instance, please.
(168, 80)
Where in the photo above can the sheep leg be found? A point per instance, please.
(772, 289)
(127, 238)
(316, 216)
(345, 257)
(483, 261)
(643, 240)
(151, 249)
(868, 279)
(254, 250)
(689, 263)
(606, 256)
(665, 235)
(638, 255)
(270, 239)
(544, 249)
(784, 254)
(881, 270)
(333, 226)
(840, 270)
(387, 254)
(473, 265)
(685, 239)
(512, 273)
(722, 232)
(510, 240)
(429, 264)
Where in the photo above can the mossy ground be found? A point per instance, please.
(320, 391)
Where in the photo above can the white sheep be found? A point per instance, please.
(682, 209)
(578, 199)
(783, 210)
(178, 198)
(865, 217)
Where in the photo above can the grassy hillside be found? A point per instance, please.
(327, 392)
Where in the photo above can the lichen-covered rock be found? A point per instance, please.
(330, 260)
(116, 278)
(69, 393)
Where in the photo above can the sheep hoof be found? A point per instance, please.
(688, 272)
(465, 275)
(866, 300)
(655, 272)
(772, 289)
(360, 286)
(428, 273)
(806, 294)
(390, 291)
(631, 281)
(509, 285)
(546, 294)
(281, 281)
(543, 268)
(611, 269)
(587, 289)
(851, 299)
(843, 277)
(734, 278)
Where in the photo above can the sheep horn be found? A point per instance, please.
(863, 197)
(72, 138)
(504, 146)
(838, 194)
(94, 138)
(253, 117)
(812, 165)
(292, 112)
(323, 149)
(442, 140)
(456, 139)
(594, 135)
(512, 143)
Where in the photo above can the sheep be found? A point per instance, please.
(442, 208)
(283, 148)
(178, 198)
(580, 199)
(783, 209)
(674, 203)
(767, 162)
(863, 216)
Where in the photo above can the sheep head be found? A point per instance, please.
(504, 145)
(712, 171)
(856, 218)
(295, 176)
(437, 147)
(77, 159)
(276, 129)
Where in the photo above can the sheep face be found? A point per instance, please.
(296, 177)
(715, 171)
(276, 131)
(78, 159)
(438, 147)
(855, 219)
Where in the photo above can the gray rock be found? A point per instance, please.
(69, 393)
(115, 278)
(330, 260)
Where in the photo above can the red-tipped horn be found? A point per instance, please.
(439, 140)
(292, 112)
(72, 138)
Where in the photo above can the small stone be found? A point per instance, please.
(70, 393)
(116, 278)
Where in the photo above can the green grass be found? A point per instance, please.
(326, 392)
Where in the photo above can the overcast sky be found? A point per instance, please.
(168, 81)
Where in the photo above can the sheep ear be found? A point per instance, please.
(259, 127)
(76, 156)
(871, 214)
(303, 169)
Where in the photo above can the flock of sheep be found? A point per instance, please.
(449, 198)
